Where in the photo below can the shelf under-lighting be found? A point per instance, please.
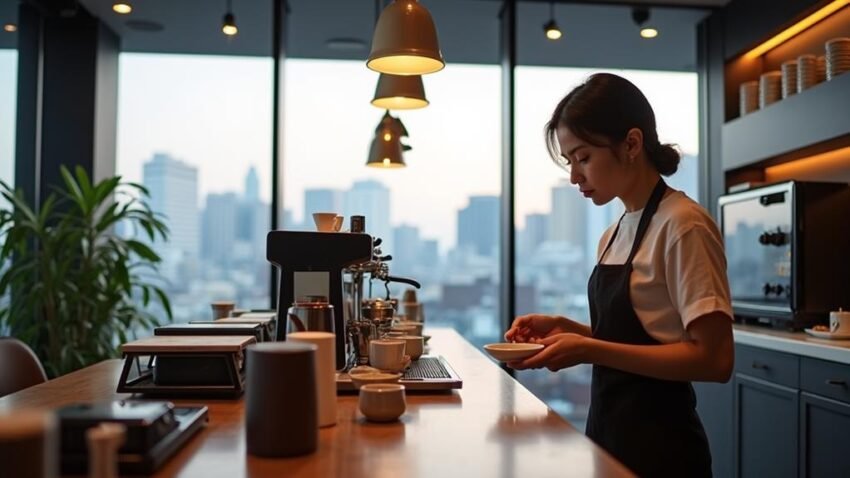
(796, 28)
(831, 164)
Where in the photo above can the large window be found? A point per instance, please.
(196, 131)
(557, 229)
(8, 99)
(439, 216)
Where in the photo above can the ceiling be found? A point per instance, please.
(596, 33)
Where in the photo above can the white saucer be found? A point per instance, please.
(827, 335)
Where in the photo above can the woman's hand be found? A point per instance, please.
(560, 350)
(533, 327)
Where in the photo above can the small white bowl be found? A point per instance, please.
(508, 352)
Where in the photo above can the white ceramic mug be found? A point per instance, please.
(839, 322)
(326, 221)
(382, 402)
(387, 354)
(413, 345)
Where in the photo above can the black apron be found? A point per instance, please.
(649, 425)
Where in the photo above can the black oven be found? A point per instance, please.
(788, 251)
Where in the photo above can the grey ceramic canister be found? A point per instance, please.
(281, 403)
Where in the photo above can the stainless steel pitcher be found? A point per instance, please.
(310, 313)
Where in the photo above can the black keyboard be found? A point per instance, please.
(426, 368)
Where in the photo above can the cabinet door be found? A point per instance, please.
(766, 429)
(825, 426)
(715, 406)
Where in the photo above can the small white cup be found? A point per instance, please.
(327, 221)
(839, 322)
(414, 345)
(382, 402)
(416, 326)
(387, 354)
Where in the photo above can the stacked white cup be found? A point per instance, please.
(770, 88)
(789, 78)
(749, 97)
(837, 57)
(807, 72)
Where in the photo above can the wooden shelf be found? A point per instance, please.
(816, 120)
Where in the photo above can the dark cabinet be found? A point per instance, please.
(825, 425)
(766, 428)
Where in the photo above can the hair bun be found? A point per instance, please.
(665, 158)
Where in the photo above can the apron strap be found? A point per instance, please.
(611, 240)
(646, 216)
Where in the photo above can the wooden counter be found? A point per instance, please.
(492, 427)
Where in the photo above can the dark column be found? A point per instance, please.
(67, 97)
(710, 67)
(507, 301)
(280, 15)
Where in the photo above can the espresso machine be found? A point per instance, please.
(313, 264)
(335, 265)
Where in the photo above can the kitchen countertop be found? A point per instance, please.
(799, 343)
(492, 427)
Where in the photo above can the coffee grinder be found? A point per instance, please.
(311, 264)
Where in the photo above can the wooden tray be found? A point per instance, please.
(188, 343)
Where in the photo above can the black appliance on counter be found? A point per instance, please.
(788, 251)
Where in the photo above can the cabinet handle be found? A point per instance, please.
(837, 383)
(760, 366)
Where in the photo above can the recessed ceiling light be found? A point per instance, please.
(648, 32)
(122, 7)
(10, 27)
(346, 44)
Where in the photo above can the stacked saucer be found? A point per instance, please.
(807, 72)
(837, 57)
(820, 68)
(770, 88)
(749, 97)
(789, 78)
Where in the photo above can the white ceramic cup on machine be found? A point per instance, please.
(328, 221)
(387, 354)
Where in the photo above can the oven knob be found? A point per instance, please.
(778, 289)
(767, 288)
(788, 290)
(764, 238)
(779, 238)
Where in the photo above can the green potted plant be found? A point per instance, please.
(72, 287)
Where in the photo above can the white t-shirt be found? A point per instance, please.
(679, 271)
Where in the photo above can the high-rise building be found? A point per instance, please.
(252, 186)
(569, 215)
(407, 249)
(371, 199)
(478, 225)
(536, 231)
(220, 227)
(173, 187)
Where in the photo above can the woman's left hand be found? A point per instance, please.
(559, 351)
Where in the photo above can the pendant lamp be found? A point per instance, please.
(386, 148)
(396, 92)
(405, 41)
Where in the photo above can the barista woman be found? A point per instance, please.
(659, 299)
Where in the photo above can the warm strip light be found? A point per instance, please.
(796, 28)
(828, 164)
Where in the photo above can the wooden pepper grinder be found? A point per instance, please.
(104, 441)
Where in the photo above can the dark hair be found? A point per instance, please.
(606, 107)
